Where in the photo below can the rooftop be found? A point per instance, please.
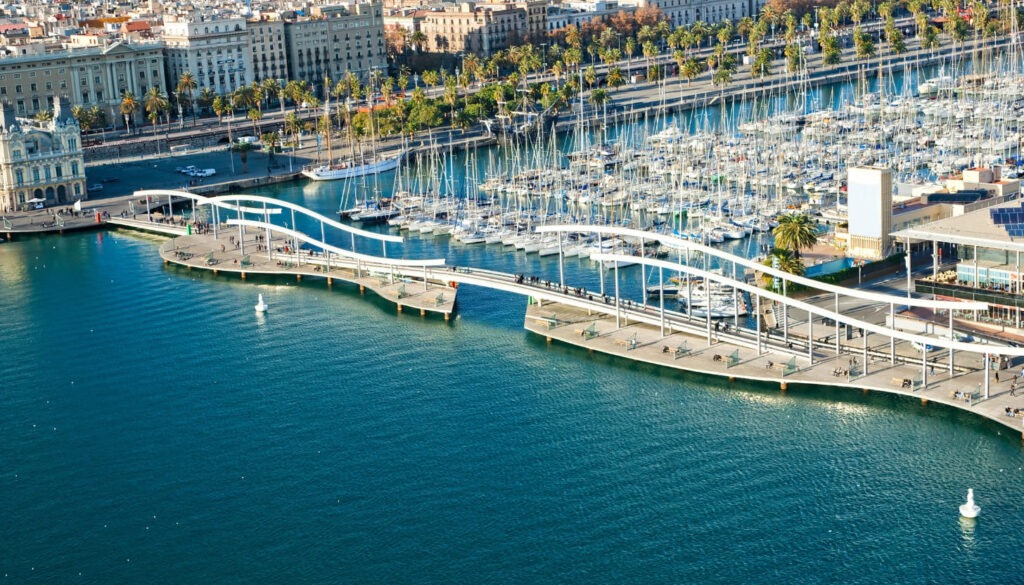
(975, 228)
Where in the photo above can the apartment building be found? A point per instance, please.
(91, 76)
(269, 51)
(216, 51)
(474, 28)
(336, 40)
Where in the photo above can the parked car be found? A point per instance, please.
(187, 170)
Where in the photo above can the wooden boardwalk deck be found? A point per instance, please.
(218, 255)
(691, 353)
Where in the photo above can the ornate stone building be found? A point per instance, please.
(40, 163)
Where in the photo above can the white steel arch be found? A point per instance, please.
(223, 201)
(677, 242)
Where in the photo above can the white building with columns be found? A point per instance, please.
(216, 51)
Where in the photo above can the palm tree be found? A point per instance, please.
(46, 115)
(795, 232)
(206, 97)
(783, 260)
(155, 104)
(599, 97)
(614, 77)
(221, 107)
(762, 65)
(81, 115)
(129, 105)
(418, 39)
(186, 85)
(293, 127)
(691, 68)
(255, 115)
(244, 98)
(273, 88)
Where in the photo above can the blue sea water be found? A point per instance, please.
(154, 429)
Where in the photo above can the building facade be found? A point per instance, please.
(338, 40)
(269, 51)
(40, 163)
(93, 76)
(870, 211)
(687, 12)
(472, 28)
(216, 52)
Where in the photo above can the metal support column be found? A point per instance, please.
(689, 290)
(757, 321)
(241, 241)
(892, 338)
(952, 337)
(618, 313)
(864, 353)
(661, 298)
(266, 220)
(924, 366)
(643, 274)
(810, 337)
(837, 325)
(561, 263)
(785, 316)
(988, 359)
(327, 253)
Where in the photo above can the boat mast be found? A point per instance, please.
(327, 120)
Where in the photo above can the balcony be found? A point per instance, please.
(994, 295)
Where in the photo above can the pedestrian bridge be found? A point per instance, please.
(813, 341)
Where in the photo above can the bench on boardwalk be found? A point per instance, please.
(907, 383)
(401, 292)
(210, 260)
(965, 396)
(589, 332)
(628, 343)
(790, 367)
(246, 261)
(734, 358)
(680, 350)
(549, 322)
(439, 300)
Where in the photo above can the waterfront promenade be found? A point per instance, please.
(816, 342)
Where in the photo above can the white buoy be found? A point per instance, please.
(970, 509)
(261, 307)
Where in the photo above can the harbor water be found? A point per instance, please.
(154, 428)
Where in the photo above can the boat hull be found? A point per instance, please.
(327, 173)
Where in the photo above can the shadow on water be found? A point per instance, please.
(309, 283)
(818, 394)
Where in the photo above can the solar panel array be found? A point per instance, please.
(1011, 218)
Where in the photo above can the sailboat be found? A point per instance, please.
(354, 167)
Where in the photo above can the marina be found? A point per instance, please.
(540, 346)
(818, 356)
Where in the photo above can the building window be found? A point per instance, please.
(17, 89)
(19, 177)
(34, 87)
(60, 171)
(78, 190)
(74, 169)
(35, 174)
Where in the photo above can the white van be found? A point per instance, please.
(247, 140)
